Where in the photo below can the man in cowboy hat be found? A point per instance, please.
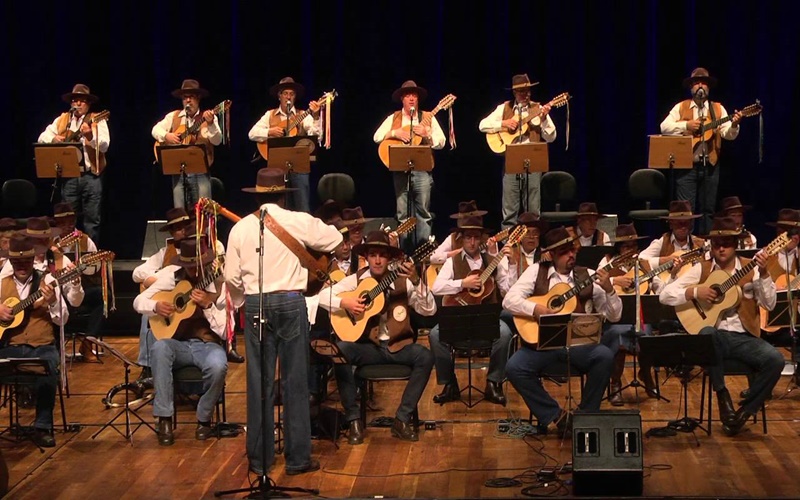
(85, 193)
(395, 126)
(33, 338)
(286, 334)
(732, 207)
(699, 184)
(406, 291)
(198, 340)
(275, 123)
(529, 251)
(677, 240)
(451, 245)
(453, 278)
(527, 364)
(506, 117)
(586, 228)
(209, 134)
(736, 333)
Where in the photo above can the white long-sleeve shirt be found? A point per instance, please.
(211, 132)
(281, 268)
(73, 293)
(673, 126)
(420, 297)
(437, 136)
(652, 254)
(762, 288)
(155, 262)
(494, 123)
(260, 131)
(445, 283)
(609, 305)
(100, 140)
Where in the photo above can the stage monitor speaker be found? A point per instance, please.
(153, 239)
(607, 453)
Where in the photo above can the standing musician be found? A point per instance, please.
(506, 117)
(85, 193)
(209, 134)
(198, 341)
(406, 291)
(699, 184)
(736, 333)
(732, 207)
(525, 367)
(453, 278)
(588, 234)
(677, 239)
(34, 337)
(410, 95)
(286, 327)
(287, 91)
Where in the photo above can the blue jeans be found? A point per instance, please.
(755, 353)
(699, 186)
(299, 200)
(513, 204)
(526, 366)
(285, 336)
(617, 335)
(445, 369)
(45, 387)
(416, 356)
(85, 194)
(169, 354)
(421, 186)
(146, 341)
(199, 187)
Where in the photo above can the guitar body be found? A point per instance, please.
(351, 328)
(383, 147)
(696, 315)
(11, 302)
(165, 328)
(262, 147)
(470, 297)
(337, 275)
(432, 272)
(630, 290)
(528, 328)
(498, 141)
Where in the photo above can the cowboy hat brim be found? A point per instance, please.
(466, 228)
(710, 80)
(199, 92)
(91, 98)
(561, 243)
(205, 259)
(166, 227)
(363, 248)
(261, 190)
(741, 208)
(679, 217)
(398, 94)
(276, 89)
(522, 86)
(474, 213)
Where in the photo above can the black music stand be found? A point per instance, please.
(591, 256)
(406, 158)
(127, 409)
(183, 159)
(671, 152)
(58, 160)
(531, 157)
(681, 351)
(469, 328)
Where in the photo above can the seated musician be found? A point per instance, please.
(586, 229)
(406, 291)
(677, 240)
(783, 267)
(452, 244)
(33, 338)
(454, 278)
(736, 333)
(198, 341)
(525, 367)
(732, 207)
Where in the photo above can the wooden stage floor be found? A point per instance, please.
(452, 461)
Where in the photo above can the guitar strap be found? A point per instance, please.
(297, 248)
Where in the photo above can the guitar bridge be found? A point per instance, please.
(699, 309)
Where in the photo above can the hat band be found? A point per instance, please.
(351, 222)
(522, 85)
(178, 219)
(557, 244)
(680, 214)
(63, 214)
(626, 238)
(38, 231)
(269, 189)
(21, 254)
(788, 223)
(475, 213)
(733, 206)
(724, 232)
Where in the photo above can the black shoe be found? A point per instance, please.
(746, 394)
(404, 430)
(449, 393)
(43, 438)
(726, 410)
(311, 467)
(564, 424)
(164, 431)
(649, 385)
(734, 425)
(616, 394)
(356, 433)
(203, 431)
(494, 393)
(235, 357)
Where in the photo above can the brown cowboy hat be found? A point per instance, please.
(329, 209)
(521, 82)
(377, 239)
(80, 91)
(558, 237)
(700, 74)
(8, 224)
(269, 181)
(467, 209)
(354, 217)
(190, 86)
(731, 203)
(470, 222)
(19, 248)
(39, 228)
(588, 208)
(626, 232)
(287, 83)
(175, 216)
(722, 227)
(188, 257)
(680, 210)
(532, 219)
(63, 210)
(409, 87)
(787, 217)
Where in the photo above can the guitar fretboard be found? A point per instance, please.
(385, 282)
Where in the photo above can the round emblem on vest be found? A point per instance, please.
(399, 313)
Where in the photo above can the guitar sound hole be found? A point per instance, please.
(720, 295)
(180, 302)
(556, 303)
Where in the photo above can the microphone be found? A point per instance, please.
(412, 111)
(700, 94)
(263, 213)
(288, 105)
(72, 109)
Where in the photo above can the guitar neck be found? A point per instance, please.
(491, 267)
(575, 290)
(34, 296)
(209, 279)
(427, 119)
(382, 285)
(738, 275)
(715, 123)
(297, 119)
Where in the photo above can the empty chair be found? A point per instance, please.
(19, 197)
(647, 185)
(217, 190)
(558, 187)
(336, 186)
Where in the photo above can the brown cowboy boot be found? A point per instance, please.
(615, 387)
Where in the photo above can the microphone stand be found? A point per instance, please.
(522, 182)
(409, 184)
(792, 331)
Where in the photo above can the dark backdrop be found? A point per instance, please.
(623, 62)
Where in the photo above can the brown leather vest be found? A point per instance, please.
(687, 114)
(461, 269)
(176, 122)
(534, 133)
(519, 259)
(747, 308)
(398, 325)
(542, 285)
(36, 328)
(98, 158)
(397, 121)
(667, 248)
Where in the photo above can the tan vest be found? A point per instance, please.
(597, 238)
(667, 248)
(37, 328)
(461, 269)
(98, 157)
(534, 133)
(275, 120)
(579, 274)
(686, 114)
(397, 122)
(176, 123)
(519, 259)
(747, 308)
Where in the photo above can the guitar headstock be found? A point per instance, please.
(322, 101)
(623, 259)
(752, 110)
(423, 251)
(102, 115)
(516, 235)
(99, 256)
(560, 100)
(446, 102)
(69, 239)
(406, 226)
(777, 244)
(222, 107)
(208, 206)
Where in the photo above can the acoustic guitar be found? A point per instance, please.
(75, 136)
(487, 284)
(695, 314)
(662, 271)
(181, 297)
(706, 130)
(351, 328)
(432, 271)
(407, 225)
(383, 149)
(561, 298)
(189, 135)
(498, 141)
(19, 307)
(292, 124)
